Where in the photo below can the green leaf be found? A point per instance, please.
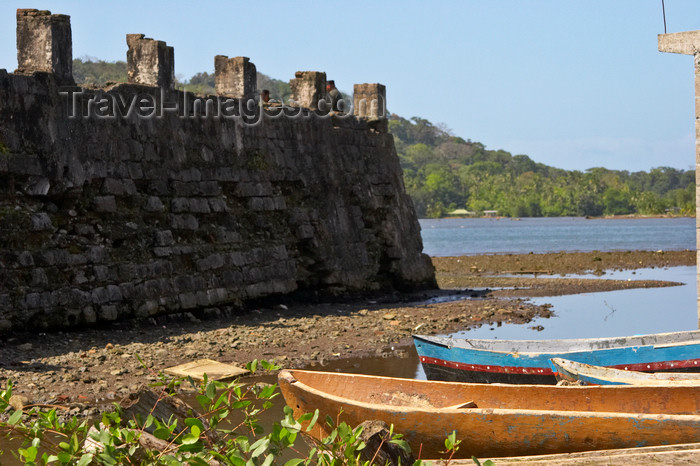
(191, 447)
(294, 462)
(267, 392)
(313, 421)
(401, 443)
(29, 454)
(85, 459)
(268, 366)
(162, 433)
(194, 422)
(197, 461)
(189, 439)
(15, 417)
(64, 457)
(259, 447)
(252, 366)
(203, 400)
(211, 391)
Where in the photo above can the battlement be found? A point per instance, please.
(44, 44)
(140, 200)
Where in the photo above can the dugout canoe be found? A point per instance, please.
(527, 361)
(507, 420)
(588, 374)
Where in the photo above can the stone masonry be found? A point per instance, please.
(235, 77)
(109, 217)
(44, 44)
(688, 43)
(308, 88)
(150, 62)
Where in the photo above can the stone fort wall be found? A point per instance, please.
(107, 213)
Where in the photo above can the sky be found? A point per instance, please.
(572, 84)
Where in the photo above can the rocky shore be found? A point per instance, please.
(100, 364)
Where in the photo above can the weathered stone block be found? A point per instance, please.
(183, 222)
(188, 300)
(150, 62)
(164, 238)
(218, 205)
(199, 206)
(44, 44)
(369, 101)
(108, 312)
(105, 204)
(211, 262)
(308, 87)
(41, 222)
(154, 204)
(235, 77)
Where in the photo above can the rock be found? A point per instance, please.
(18, 402)
(379, 449)
(389, 316)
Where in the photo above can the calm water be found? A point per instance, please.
(612, 313)
(457, 237)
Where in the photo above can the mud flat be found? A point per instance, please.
(99, 364)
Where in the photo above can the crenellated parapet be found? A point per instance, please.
(44, 44)
(136, 201)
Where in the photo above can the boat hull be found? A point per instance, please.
(496, 427)
(456, 360)
(595, 375)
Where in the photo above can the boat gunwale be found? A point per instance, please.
(576, 345)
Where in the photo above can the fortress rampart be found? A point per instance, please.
(135, 200)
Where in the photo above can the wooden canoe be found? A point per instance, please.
(588, 374)
(527, 361)
(508, 420)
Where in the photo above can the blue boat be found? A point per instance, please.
(527, 361)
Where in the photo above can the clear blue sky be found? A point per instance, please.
(573, 84)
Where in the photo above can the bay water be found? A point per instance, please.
(470, 236)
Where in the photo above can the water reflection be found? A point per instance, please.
(612, 313)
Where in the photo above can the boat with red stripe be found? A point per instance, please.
(527, 361)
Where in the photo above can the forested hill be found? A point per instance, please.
(443, 173)
(94, 72)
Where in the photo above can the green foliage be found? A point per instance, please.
(279, 90)
(214, 436)
(92, 72)
(443, 172)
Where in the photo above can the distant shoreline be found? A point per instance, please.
(604, 217)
